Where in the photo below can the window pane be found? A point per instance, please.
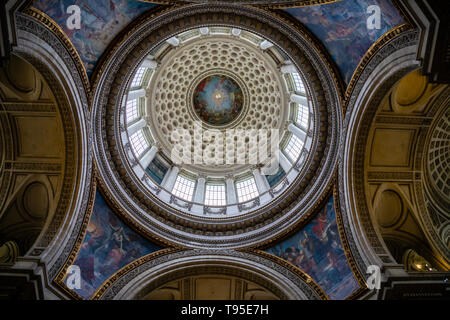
(302, 116)
(137, 81)
(138, 143)
(184, 188)
(215, 195)
(246, 190)
(294, 148)
(132, 110)
(298, 82)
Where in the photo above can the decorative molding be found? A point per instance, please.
(29, 107)
(219, 211)
(65, 40)
(278, 4)
(256, 203)
(146, 179)
(346, 246)
(400, 41)
(30, 29)
(371, 52)
(186, 205)
(281, 187)
(86, 216)
(389, 176)
(34, 167)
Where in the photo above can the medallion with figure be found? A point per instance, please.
(218, 100)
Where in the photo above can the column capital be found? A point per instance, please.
(256, 167)
(229, 177)
(157, 145)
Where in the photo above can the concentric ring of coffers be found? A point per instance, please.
(164, 105)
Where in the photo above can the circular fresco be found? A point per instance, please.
(218, 100)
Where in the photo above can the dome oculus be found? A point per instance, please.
(218, 100)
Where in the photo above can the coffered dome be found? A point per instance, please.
(217, 105)
(220, 129)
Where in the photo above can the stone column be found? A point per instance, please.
(171, 179)
(261, 181)
(148, 63)
(299, 99)
(200, 190)
(135, 127)
(288, 68)
(236, 32)
(149, 156)
(136, 94)
(266, 45)
(299, 133)
(231, 190)
(173, 41)
(204, 31)
(284, 162)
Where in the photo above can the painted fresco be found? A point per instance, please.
(218, 100)
(317, 250)
(101, 21)
(108, 246)
(342, 27)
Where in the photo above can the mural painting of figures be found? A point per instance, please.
(342, 28)
(317, 250)
(101, 21)
(108, 246)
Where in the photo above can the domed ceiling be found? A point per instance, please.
(167, 93)
(216, 127)
(216, 81)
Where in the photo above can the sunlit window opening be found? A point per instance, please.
(132, 110)
(294, 148)
(137, 81)
(184, 188)
(302, 116)
(138, 143)
(215, 195)
(246, 190)
(298, 82)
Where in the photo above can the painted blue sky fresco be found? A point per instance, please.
(342, 27)
(101, 21)
(108, 246)
(317, 250)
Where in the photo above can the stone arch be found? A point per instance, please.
(149, 273)
(380, 168)
(387, 66)
(67, 100)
